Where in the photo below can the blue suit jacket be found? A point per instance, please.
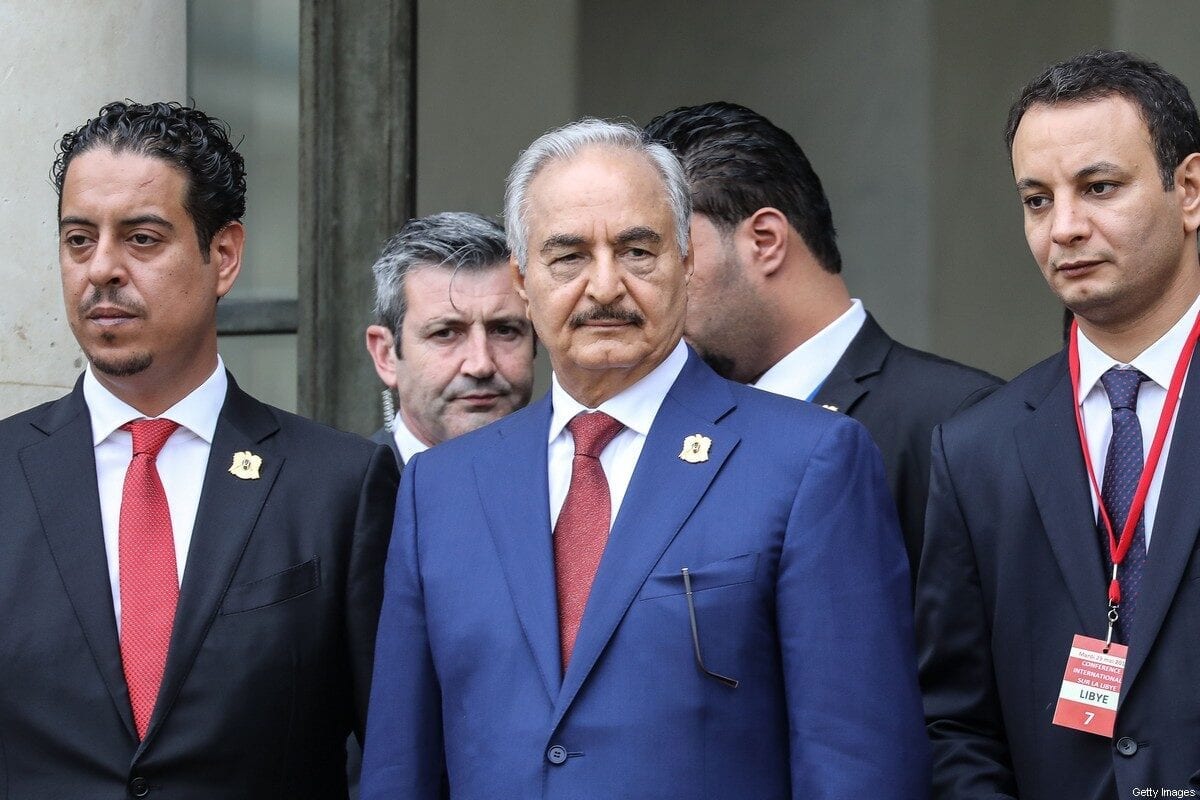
(801, 593)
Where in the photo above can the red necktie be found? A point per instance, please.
(149, 578)
(582, 528)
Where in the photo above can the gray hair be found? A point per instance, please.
(456, 240)
(567, 142)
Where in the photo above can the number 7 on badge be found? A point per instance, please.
(1091, 687)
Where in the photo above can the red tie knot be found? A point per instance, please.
(149, 435)
(592, 432)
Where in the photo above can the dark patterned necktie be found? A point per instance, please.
(582, 528)
(1122, 470)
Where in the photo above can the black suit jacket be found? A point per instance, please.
(1013, 569)
(384, 436)
(899, 394)
(270, 657)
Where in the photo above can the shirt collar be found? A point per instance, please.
(197, 412)
(406, 440)
(635, 407)
(801, 372)
(1157, 362)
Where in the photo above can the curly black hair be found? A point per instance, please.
(182, 136)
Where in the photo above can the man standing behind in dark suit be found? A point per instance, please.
(653, 582)
(451, 342)
(1059, 595)
(768, 306)
(189, 579)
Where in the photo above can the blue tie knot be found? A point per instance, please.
(1122, 386)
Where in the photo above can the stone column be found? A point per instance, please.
(60, 61)
(356, 188)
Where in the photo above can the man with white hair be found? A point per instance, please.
(653, 582)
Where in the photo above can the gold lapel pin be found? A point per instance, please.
(695, 448)
(829, 406)
(245, 465)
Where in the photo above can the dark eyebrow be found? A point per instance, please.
(147, 219)
(443, 321)
(562, 240)
(142, 219)
(639, 233)
(65, 221)
(1099, 167)
(514, 321)
(1090, 171)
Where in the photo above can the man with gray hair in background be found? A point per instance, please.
(451, 342)
(653, 582)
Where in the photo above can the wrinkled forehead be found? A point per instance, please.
(477, 292)
(598, 184)
(103, 181)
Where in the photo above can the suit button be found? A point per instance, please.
(1126, 746)
(138, 787)
(557, 754)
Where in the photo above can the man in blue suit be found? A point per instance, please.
(652, 583)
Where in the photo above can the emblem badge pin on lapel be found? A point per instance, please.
(245, 465)
(695, 449)
(829, 406)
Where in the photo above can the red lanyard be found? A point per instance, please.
(1118, 549)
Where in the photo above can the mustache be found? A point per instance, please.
(465, 385)
(609, 313)
(111, 295)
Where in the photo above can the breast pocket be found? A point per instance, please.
(290, 583)
(715, 575)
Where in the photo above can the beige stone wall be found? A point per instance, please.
(59, 62)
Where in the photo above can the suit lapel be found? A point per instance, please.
(72, 525)
(862, 359)
(1048, 446)
(229, 507)
(1176, 523)
(662, 493)
(519, 522)
(384, 436)
(840, 390)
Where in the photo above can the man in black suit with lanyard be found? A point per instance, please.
(767, 304)
(1058, 602)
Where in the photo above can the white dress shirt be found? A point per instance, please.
(406, 440)
(801, 372)
(635, 408)
(1157, 362)
(181, 463)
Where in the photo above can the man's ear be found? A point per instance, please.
(382, 347)
(225, 250)
(763, 240)
(519, 282)
(1187, 185)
